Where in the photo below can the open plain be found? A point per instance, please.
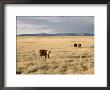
(64, 57)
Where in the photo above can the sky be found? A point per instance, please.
(54, 24)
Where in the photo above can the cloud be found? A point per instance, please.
(55, 24)
(46, 31)
(31, 26)
(23, 31)
(26, 28)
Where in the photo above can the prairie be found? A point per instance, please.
(64, 57)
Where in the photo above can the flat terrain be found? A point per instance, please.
(64, 57)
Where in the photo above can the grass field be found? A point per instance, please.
(64, 57)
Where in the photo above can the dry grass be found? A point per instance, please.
(64, 59)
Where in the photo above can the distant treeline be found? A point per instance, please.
(58, 34)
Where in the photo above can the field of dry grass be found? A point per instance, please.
(64, 59)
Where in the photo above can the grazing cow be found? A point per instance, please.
(75, 45)
(79, 45)
(44, 52)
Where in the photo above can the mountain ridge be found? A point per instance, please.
(58, 34)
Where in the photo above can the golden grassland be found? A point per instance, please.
(64, 57)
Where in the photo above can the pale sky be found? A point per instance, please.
(54, 24)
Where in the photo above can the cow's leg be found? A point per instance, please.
(48, 55)
(45, 56)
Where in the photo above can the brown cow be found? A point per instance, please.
(79, 45)
(44, 52)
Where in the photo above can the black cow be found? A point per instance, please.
(75, 45)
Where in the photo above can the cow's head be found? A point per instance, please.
(48, 52)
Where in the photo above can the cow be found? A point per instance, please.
(79, 45)
(75, 45)
(44, 52)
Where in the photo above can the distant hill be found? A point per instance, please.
(58, 34)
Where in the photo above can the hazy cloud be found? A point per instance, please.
(54, 24)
